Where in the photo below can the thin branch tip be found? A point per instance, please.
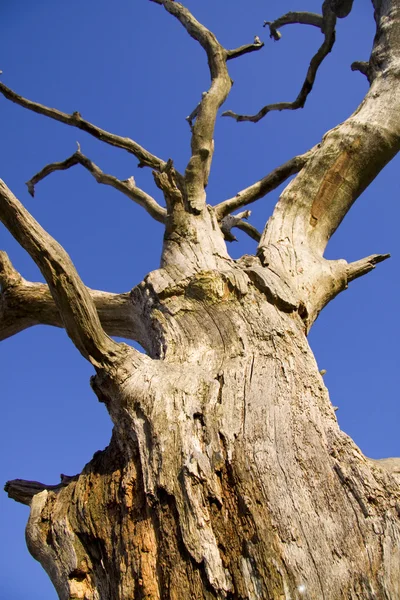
(273, 32)
(31, 188)
(228, 113)
(246, 49)
(363, 266)
(381, 257)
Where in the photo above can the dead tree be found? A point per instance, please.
(227, 475)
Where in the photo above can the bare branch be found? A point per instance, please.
(264, 186)
(346, 161)
(293, 18)
(146, 159)
(240, 222)
(326, 23)
(73, 300)
(127, 187)
(24, 304)
(257, 45)
(57, 166)
(249, 229)
(364, 266)
(202, 144)
(23, 491)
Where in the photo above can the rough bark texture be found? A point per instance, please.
(227, 475)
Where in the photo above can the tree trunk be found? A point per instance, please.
(227, 475)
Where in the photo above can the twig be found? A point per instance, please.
(127, 187)
(326, 23)
(146, 159)
(246, 49)
(293, 18)
(264, 186)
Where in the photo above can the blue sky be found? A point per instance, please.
(130, 68)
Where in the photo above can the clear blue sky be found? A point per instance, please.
(130, 68)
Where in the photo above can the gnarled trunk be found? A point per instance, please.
(227, 475)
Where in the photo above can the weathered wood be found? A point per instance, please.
(75, 120)
(227, 476)
(71, 296)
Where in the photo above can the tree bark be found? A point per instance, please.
(227, 475)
